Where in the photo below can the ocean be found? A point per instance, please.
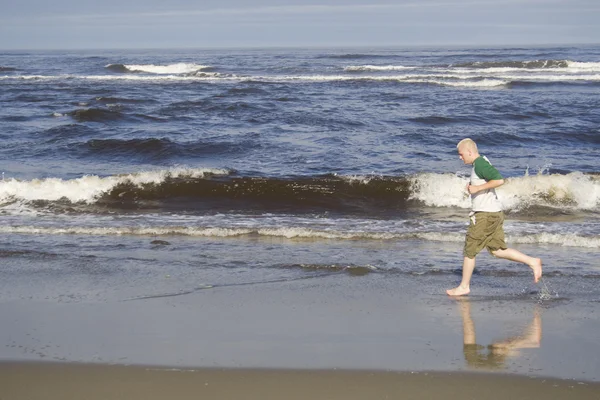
(129, 175)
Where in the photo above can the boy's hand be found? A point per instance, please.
(472, 189)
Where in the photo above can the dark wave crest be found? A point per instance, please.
(533, 84)
(7, 69)
(159, 149)
(536, 64)
(61, 133)
(120, 68)
(127, 147)
(327, 193)
(112, 100)
(26, 254)
(246, 91)
(441, 120)
(96, 115)
(108, 115)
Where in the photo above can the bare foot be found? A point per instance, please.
(537, 269)
(458, 291)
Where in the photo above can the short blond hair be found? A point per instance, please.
(467, 143)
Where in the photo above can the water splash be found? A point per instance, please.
(545, 292)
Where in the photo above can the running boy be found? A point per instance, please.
(487, 219)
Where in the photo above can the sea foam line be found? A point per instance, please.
(455, 79)
(564, 240)
(358, 68)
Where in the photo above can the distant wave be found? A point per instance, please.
(363, 68)
(585, 66)
(354, 56)
(564, 240)
(488, 67)
(7, 69)
(176, 69)
(193, 189)
(118, 68)
(465, 78)
(536, 64)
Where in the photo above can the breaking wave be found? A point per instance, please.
(574, 191)
(215, 189)
(90, 188)
(535, 64)
(171, 69)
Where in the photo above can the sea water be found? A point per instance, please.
(145, 173)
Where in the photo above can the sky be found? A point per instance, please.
(133, 24)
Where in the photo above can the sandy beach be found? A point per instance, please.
(341, 337)
(46, 381)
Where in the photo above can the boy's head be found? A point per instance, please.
(467, 150)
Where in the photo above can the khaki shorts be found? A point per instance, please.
(485, 231)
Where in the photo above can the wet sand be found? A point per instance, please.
(69, 381)
(340, 337)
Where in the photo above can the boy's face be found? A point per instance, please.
(466, 155)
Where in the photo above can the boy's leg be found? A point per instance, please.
(514, 255)
(465, 283)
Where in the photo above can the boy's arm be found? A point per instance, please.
(488, 185)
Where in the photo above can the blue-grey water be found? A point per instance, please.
(235, 167)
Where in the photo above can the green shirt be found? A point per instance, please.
(485, 170)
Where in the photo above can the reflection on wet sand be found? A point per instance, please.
(495, 355)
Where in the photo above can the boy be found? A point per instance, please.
(487, 219)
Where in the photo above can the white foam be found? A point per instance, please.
(568, 240)
(357, 68)
(440, 190)
(361, 179)
(88, 187)
(584, 66)
(178, 68)
(571, 191)
(565, 240)
(222, 232)
(480, 83)
(198, 76)
(451, 78)
(553, 78)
